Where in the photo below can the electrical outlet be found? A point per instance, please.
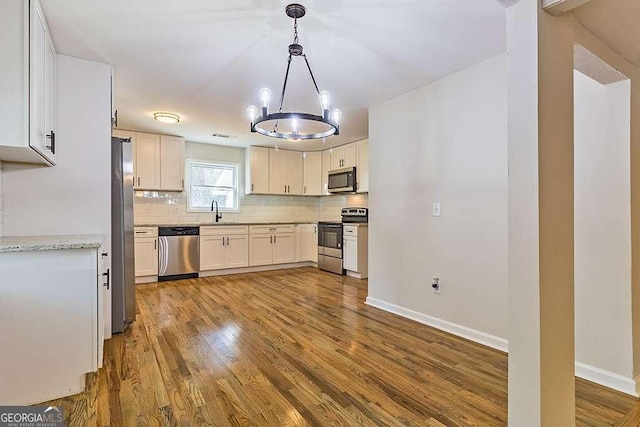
(435, 285)
(436, 209)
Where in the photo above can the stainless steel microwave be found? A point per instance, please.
(342, 180)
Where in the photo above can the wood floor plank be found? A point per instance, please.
(294, 348)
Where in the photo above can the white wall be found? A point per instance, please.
(1, 203)
(603, 225)
(447, 143)
(73, 197)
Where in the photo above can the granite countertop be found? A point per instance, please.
(216, 224)
(50, 243)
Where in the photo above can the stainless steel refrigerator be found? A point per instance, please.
(123, 294)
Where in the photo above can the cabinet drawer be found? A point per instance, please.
(350, 230)
(271, 229)
(145, 232)
(224, 230)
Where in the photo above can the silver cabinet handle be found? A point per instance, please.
(304, 189)
(271, 240)
(251, 187)
(138, 181)
(223, 241)
(275, 239)
(285, 188)
(155, 244)
(227, 241)
(183, 183)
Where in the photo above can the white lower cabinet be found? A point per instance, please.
(224, 247)
(146, 251)
(350, 253)
(355, 250)
(306, 242)
(284, 248)
(52, 323)
(271, 244)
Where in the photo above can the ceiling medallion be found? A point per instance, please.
(288, 125)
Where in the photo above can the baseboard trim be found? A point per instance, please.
(590, 373)
(455, 329)
(607, 378)
(257, 269)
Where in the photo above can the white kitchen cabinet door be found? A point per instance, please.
(237, 251)
(146, 254)
(362, 169)
(284, 248)
(28, 122)
(295, 169)
(41, 90)
(260, 249)
(171, 163)
(350, 253)
(51, 107)
(212, 253)
(147, 167)
(312, 174)
(257, 176)
(350, 156)
(306, 243)
(326, 167)
(337, 155)
(278, 172)
(344, 156)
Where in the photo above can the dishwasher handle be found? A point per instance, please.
(163, 256)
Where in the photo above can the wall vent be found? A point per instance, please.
(222, 135)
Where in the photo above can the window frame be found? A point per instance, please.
(213, 163)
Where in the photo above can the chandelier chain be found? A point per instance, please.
(295, 31)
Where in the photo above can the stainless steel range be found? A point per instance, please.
(330, 239)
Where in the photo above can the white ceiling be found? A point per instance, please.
(206, 60)
(615, 22)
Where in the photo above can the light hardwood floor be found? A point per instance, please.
(297, 347)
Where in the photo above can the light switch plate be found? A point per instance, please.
(436, 209)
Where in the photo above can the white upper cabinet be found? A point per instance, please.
(171, 163)
(285, 172)
(295, 168)
(343, 157)
(257, 170)
(312, 174)
(28, 120)
(158, 160)
(362, 169)
(147, 161)
(326, 167)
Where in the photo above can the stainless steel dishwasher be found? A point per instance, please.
(179, 253)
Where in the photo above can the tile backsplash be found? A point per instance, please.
(155, 208)
(1, 203)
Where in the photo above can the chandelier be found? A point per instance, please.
(287, 125)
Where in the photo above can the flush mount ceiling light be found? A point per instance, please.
(166, 117)
(295, 126)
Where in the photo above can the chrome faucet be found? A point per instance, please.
(218, 215)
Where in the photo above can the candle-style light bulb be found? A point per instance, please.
(265, 95)
(336, 115)
(325, 100)
(252, 111)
